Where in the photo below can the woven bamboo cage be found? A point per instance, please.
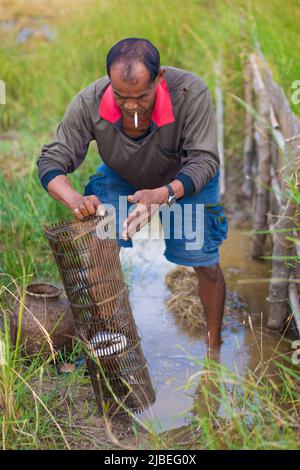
(87, 257)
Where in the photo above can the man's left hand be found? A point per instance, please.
(148, 202)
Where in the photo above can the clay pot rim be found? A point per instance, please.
(53, 291)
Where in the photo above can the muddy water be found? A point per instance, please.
(172, 351)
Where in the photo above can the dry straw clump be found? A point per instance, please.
(184, 302)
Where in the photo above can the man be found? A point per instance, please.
(155, 131)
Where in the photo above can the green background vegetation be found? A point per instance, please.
(41, 78)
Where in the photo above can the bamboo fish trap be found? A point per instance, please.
(87, 257)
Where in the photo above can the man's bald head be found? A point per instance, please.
(128, 53)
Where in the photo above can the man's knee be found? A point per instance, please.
(210, 273)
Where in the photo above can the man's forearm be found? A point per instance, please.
(177, 187)
(60, 188)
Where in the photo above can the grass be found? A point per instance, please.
(256, 410)
(41, 78)
(43, 410)
(247, 413)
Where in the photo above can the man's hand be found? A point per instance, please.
(60, 188)
(85, 206)
(148, 202)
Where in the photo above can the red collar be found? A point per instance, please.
(162, 113)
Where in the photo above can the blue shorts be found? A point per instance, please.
(194, 227)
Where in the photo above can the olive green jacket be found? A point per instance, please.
(182, 138)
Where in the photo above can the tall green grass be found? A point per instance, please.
(258, 411)
(41, 78)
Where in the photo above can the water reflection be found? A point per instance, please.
(174, 353)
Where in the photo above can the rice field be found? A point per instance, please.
(41, 75)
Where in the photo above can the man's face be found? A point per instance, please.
(136, 95)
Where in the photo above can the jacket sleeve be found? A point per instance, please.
(70, 143)
(200, 159)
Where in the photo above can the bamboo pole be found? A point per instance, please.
(297, 245)
(249, 144)
(275, 195)
(281, 269)
(288, 122)
(295, 304)
(285, 129)
(277, 190)
(263, 179)
(220, 126)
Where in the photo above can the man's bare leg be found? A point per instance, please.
(212, 293)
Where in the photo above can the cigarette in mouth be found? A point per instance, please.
(136, 119)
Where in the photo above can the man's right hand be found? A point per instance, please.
(60, 188)
(85, 206)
